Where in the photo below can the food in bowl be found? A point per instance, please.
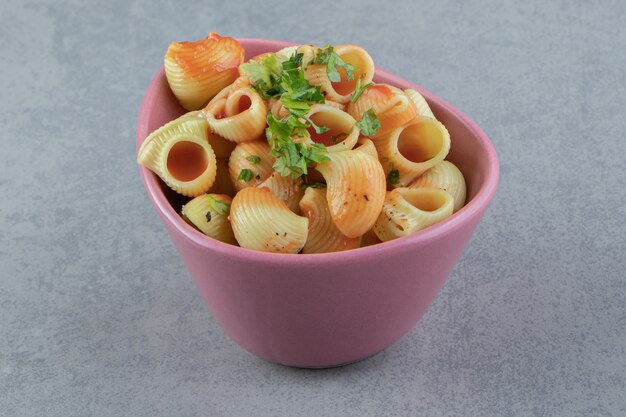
(299, 151)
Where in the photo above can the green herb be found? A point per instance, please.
(359, 90)
(394, 177)
(339, 137)
(369, 123)
(255, 159)
(313, 185)
(245, 175)
(218, 206)
(327, 56)
(265, 75)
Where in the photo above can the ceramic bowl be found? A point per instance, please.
(331, 309)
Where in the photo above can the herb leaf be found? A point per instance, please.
(359, 90)
(327, 56)
(369, 123)
(245, 175)
(394, 177)
(255, 159)
(218, 206)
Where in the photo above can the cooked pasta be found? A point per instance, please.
(180, 154)
(249, 164)
(445, 176)
(209, 214)
(262, 222)
(324, 236)
(409, 210)
(316, 157)
(392, 107)
(197, 71)
(342, 89)
(423, 109)
(356, 190)
(286, 189)
(239, 116)
(413, 149)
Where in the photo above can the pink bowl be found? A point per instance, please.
(331, 309)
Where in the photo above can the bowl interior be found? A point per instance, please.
(471, 151)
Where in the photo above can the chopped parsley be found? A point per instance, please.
(339, 137)
(394, 177)
(217, 206)
(327, 56)
(255, 159)
(359, 90)
(369, 123)
(245, 175)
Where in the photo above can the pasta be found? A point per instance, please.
(445, 176)
(262, 222)
(409, 210)
(413, 149)
(324, 236)
(209, 214)
(197, 71)
(356, 190)
(249, 164)
(300, 150)
(180, 154)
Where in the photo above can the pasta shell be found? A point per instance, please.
(286, 189)
(355, 190)
(324, 236)
(407, 211)
(222, 184)
(197, 71)
(423, 109)
(342, 134)
(239, 116)
(179, 153)
(445, 176)
(393, 108)
(366, 145)
(262, 222)
(413, 149)
(212, 220)
(240, 159)
(341, 92)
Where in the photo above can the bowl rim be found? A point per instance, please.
(380, 250)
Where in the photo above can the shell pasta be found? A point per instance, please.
(300, 150)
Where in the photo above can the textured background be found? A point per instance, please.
(99, 317)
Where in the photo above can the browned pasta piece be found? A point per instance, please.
(356, 190)
(393, 108)
(179, 153)
(413, 149)
(409, 210)
(445, 176)
(250, 163)
(286, 189)
(342, 91)
(197, 71)
(324, 236)
(209, 214)
(263, 222)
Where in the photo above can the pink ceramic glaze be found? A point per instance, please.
(328, 309)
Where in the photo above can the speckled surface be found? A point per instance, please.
(99, 317)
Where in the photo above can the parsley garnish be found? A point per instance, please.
(313, 185)
(359, 90)
(245, 175)
(255, 159)
(327, 56)
(394, 177)
(369, 123)
(218, 206)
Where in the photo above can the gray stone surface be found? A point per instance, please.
(99, 317)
